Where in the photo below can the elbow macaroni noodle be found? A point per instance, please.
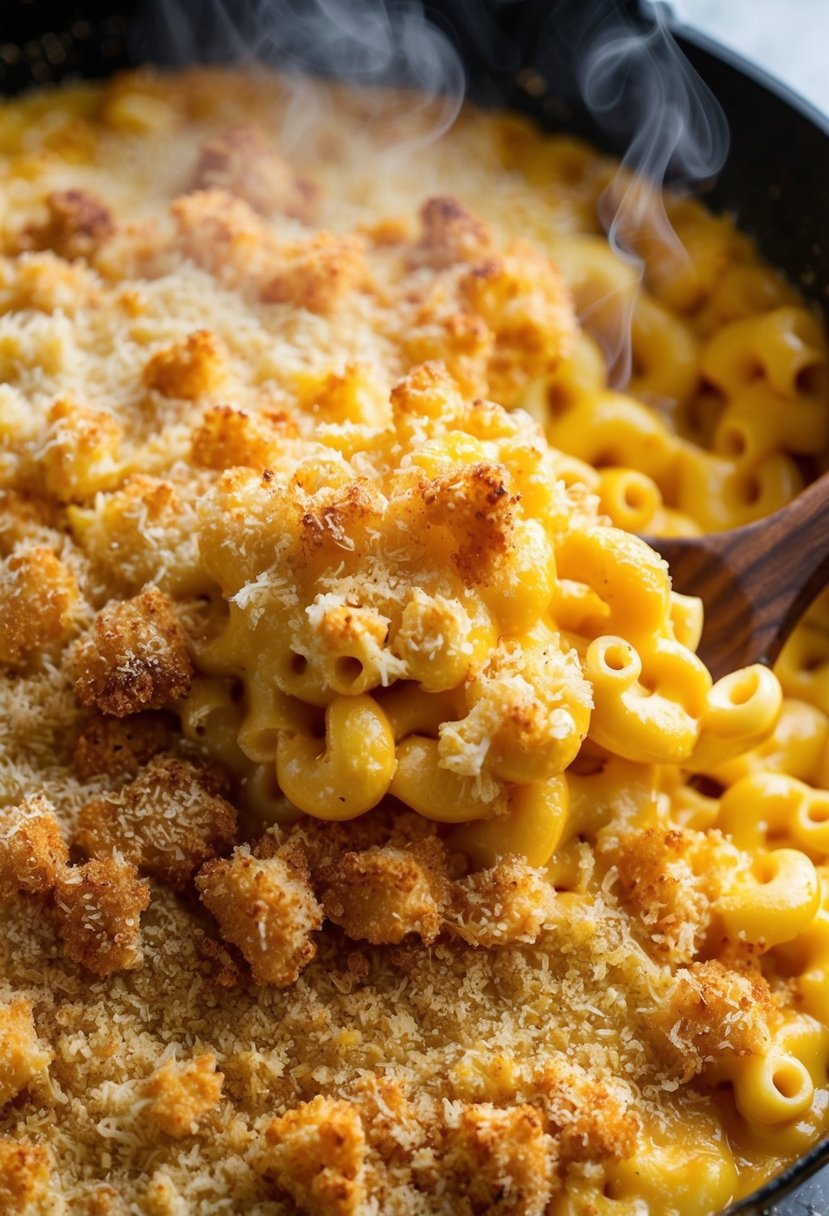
(411, 582)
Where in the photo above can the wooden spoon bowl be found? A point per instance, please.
(756, 581)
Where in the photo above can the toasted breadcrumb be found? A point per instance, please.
(167, 822)
(227, 438)
(77, 225)
(500, 1162)
(82, 451)
(118, 747)
(99, 909)
(715, 1011)
(382, 894)
(450, 233)
(242, 161)
(46, 283)
(21, 1055)
(134, 657)
(189, 369)
(224, 235)
(667, 877)
(223, 968)
(317, 274)
(143, 532)
(511, 902)
(524, 300)
(588, 1116)
(316, 1153)
(266, 908)
(37, 594)
(23, 517)
(33, 852)
(24, 1175)
(181, 1093)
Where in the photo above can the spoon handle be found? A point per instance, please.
(783, 562)
(754, 581)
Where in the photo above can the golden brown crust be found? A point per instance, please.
(76, 226)
(182, 1092)
(81, 451)
(33, 852)
(187, 369)
(228, 438)
(99, 908)
(511, 902)
(44, 282)
(316, 1153)
(21, 1055)
(267, 908)
(118, 747)
(242, 161)
(500, 1162)
(167, 822)
(662, 883)
(37, 594)
(449, 233)
(24, 1175)
(587, 1115)
(223, 235)
(715, 1011)
(134, 657)
(317, 274)
(383, 894)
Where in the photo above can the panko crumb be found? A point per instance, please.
(228, 438)
(658, 883)
(81, 452)
(77, 225)
(267, 908)
(37, 594)
(713, 1012)
(587, 1115)
(316, 1153)
(99, 908)
(383, 894)
(243, 161)
(167, 822)
(450, 233)
(181, 1093)
(317, 274)
(21, 1055)
(188, 369)
(500, 1162)
(118, 748)
(134, 657)
(510, 902)
(225, 236)
(33, 853)
(24, 1175)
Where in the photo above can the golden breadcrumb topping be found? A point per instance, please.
(133, 658)
(24, 1175)
(181, 1093)
(318, 894)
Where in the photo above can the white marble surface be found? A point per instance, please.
(789, 38)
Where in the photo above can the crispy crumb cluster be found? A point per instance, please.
(134, 657)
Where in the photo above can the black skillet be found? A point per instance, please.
(523, 54)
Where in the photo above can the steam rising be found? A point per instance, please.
(638, 85)
(633, 78)
(363, 42)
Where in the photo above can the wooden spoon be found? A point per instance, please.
(754, 581)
